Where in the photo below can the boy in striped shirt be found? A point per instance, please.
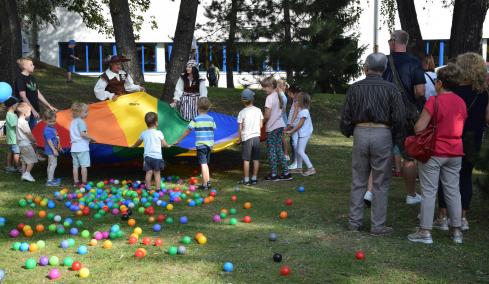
(204, 126)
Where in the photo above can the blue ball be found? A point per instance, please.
(191, 203)
(82, 250)
(74, 231)
(2, 274)
(115, 228)
(156, 227)
(5, 91)
(2, 221)
(51, 204)
(228, 267)
(65, 244)
(24, 247)
(300, 189)
(183, 220)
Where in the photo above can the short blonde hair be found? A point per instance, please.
(474, 70)
(22, 60)
(78, 108)
(49, 115)
(204, 104)
(23, 108)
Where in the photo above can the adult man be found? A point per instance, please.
(115, 82)
(213, 75)
(373, 113)
(408, 76)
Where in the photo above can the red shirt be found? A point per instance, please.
(450, 119)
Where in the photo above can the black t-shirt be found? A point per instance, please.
(28, 84)
(476, 120)
(71, 52)
(410, 72)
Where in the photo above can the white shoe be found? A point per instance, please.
(287, 157)
(465, 225)
(411, 200)
(368, 196)
(293, 166)
(441, 224)
(27, 177)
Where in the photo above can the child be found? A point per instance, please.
(153, 141)
(25, 139)
(304, 130)
(80, 142)
(274, 125)
(282, 89)
(13, 151)
(292, 121)
(204, 127)
(250, 120)
(51, 146)
(71, 60)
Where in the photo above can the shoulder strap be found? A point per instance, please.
(431, 79)
(395, 75)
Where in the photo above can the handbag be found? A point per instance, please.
(422, 145)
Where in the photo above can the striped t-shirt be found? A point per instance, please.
(204, 126)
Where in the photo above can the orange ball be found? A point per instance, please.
(29, 233)
(29, 197)
(198, 235)
(79, 213)
(42, 214)
(93, 242)
(37, 200)
(283, 215)
(225, 211)
(247, 205)
(211, 198)
(40, 228)
(206, 200)
(131, 222)
(151, 219)
(33, 247)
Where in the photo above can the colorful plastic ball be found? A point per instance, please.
(228, 267)
(234, 198)
(74, 231)
(84, 272)
(79, 223)
(29, 214)
(60, 230)
(169, 207)
(233, 221)
(285, 270)
(202, 240)
(277, 257)
(139, 254)
(53, 261)
(64, 244)
(105, 235)
(76, 266)
(107, 244)
(146, 241)
(115, 228)
(169, 220)
(133, 240)
(85, 234)
(54, 274)
(93, 242)
(30, 263)
(41, 244)
(360, 255)
(2, 275)
(2, 221)
(216, 218)
(24, 247)
(131, 222)
(183, 220)
(22, 203)
(301, 189)
(82, 250)
(181, 250)
(138, 230)
(14, 233)
(71, 242)
(232, 211)
(288, 202)
(52, 227)
(156, 227)
(16, 246)
(43, 261)
(186, 240)
(158, 242)
(247, 219)
(172, 250)
(68, 261)
(33, 247)
(98, 236)
(39, 228)
(57, 219)
(247, 205)
(272, 237)
(283, 215)
(223, 215)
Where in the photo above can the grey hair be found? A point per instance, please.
(376, 62)
(400, 36)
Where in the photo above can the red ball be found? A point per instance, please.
(285, 270)
(139, 253)
(20, 226)
(360, 255)
(158, 242)
(161, 217)
(234, 198)
(213, 194)
(146, 241)
(247, 219)
(288, 202)
(76, 266)
(86, 211)
(133, 240)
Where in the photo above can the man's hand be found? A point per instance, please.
(35, 114)
(142, 89)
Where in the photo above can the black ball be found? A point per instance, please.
(129, 212)
(124, 217)
(277, 257)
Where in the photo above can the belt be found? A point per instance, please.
(371, 124)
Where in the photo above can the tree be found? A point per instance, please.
(182, 42)
(11, 43)
(409, 23)
(124, 37)
(467, 24)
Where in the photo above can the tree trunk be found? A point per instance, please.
(11, 43)
(182, 42)
(124, 37)
(34, 37)
(409, 23)
(467, 23)
(231, 46)
(287, 35)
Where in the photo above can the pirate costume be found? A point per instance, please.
(111, 84)
(188, 92)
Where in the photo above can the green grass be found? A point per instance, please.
(313, 240)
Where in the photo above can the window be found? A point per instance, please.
(93, 57)
(149, 57)
(80, 65)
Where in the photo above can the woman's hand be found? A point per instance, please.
(173, 104)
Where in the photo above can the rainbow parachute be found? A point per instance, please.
(117, 125)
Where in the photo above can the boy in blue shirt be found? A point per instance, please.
(204, 126)
(71, 60)
(51, 146)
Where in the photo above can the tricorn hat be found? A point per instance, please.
(117, 59)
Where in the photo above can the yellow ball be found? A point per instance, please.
(93, 242)
(138, 231)
(169, 207)
(107, 244)
(84, 272)
(134, 235)
(33, 247)
(202, 240)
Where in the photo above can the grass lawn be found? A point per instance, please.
(312, 240)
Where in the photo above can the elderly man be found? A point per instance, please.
(408, 76)
(115, 82)
(373, 113)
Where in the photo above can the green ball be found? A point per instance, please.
(52, 227)
(79, 223)
(90, 183)
(32, 205)
(22, 203)
(60, 230)
(233, 221)
(97, 216)
(113, 235)
(68, 261)
(223, 215)
(100, 184)
(71, 242)
(172, 250)
(41, 244)
(183, 196)
(186, 240)
(141, 210)
(85, 234)
(66, 224)
(120, 234)
(30, 263)
(16, 246)
(169, 220)
(51, 216)
(54, 261)
(232, 211)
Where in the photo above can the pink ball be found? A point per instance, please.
(216, 218)
(105, 235)
(14, 233)
(192, 188)
(54, 274)
(29, 214)
(115, 211)
(98, 236)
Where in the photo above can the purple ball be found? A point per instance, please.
(29, 214)
(43, 261)
(105, 235)
(115, 211)
(74, 231)
(216, 218)
(183, 220)
(14, 233)
(98, 236)
(54, 274)
(65, 244)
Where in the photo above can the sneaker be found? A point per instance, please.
(354, 228)
(285, 177)
(52, 183)
(367, 198)
(465, 225)
(203, 187)
(58, 180)
(243, 182)
(287, 158)
(271, 177)
(10, 170)
(253, 181)
(293, 166)
(295, 171)
(27, 177)
(441, 224)
(382, 231)
(418, 237)
(457, 236)
(309, 172)
(412, 200)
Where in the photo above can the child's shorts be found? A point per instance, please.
(152, 164)
(251, 149)
(70, 68)
(204, 154)
(81, 159)
(28, 155)
(14, 149)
